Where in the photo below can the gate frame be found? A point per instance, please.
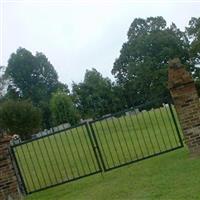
(106, 169)
(19, 172)
(95, 146)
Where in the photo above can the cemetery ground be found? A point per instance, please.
(171, 176)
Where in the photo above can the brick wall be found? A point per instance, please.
(8, 180)
(187, 105)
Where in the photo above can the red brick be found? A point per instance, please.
(187, 105)
(8, 180)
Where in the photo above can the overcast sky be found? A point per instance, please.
(79, 35)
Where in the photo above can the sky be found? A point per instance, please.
(77, 35)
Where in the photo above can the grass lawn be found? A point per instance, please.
(68, 155)
(171, 176)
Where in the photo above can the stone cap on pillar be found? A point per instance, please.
(177, 75)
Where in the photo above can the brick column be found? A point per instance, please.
(8, 180)
(187, 105)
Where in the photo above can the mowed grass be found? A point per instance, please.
(171, 176)
(69, 155)
(52, 160)
(134, 137)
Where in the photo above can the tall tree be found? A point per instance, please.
(3, 81)
(193, 32)
(33, 77)
(94, 96)
(141, 68)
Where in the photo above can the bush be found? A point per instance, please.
(20, 117)
(62, 109)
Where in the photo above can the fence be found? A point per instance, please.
(57, 158)
(100, 145)
(136, 136)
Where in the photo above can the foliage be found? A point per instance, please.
(193, 32)
(32, 77)
(94, 96)
(140, 71)
(2, 81)
(141, 68)
(47, 121)
(20, 117)
(62, 109)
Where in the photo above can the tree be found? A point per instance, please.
(20, 117)
(47, 121)
(94, 97)
(193, 32)
(32, 77)
(141, 68)
(62, 109)
(2, 81)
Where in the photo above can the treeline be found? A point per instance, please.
(140, 72)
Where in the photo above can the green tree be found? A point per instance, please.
(193, 32)
(141, 68)
(20, 117)
(94, 97)
(62, 109)
(2, 81)
(47, 121)
(32, 77)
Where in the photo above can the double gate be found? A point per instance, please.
(98, 146)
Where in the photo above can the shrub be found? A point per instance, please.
(62, 109)
(20, 117)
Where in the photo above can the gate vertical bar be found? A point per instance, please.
(95, 146)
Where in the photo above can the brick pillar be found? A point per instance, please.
(187, 105)
(8, 180)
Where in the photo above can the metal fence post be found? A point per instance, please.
(17, 171)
